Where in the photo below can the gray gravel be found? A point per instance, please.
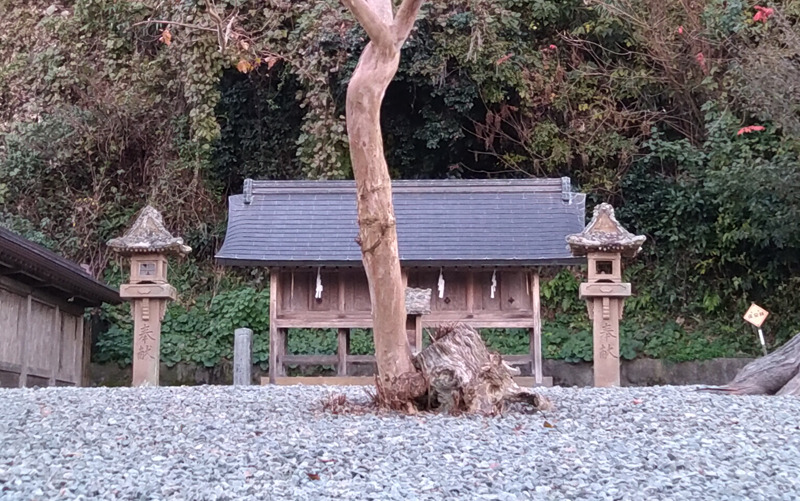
(215, 442)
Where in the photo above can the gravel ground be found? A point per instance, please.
(222, 442)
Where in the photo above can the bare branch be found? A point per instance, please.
(404, 20)
(377, 30)
(173, 23)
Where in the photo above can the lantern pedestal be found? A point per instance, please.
(148, 243)
(605, 242)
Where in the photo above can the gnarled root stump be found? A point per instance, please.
(463, 376)
(775, 374)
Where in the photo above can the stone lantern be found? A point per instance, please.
(147, 243)
(605, 242)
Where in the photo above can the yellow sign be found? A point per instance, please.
(756, 315)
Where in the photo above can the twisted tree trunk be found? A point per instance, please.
(775, 374)
(377, 232)
(456, 372)
(463, 376)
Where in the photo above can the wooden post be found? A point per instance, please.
(342, 351)
(536, 333)
(418, 332)
(273, 328)
(85, 330)
(470, 291)
(23, 373)
(55, 349)
(283, 349)
(242, 356)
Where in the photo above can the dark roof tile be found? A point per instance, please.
(461, 222)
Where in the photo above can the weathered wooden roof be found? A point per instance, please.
(445, 222)
(36, 266)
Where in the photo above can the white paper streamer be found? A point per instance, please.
(441, 284)
(318, 293)
(494, 283)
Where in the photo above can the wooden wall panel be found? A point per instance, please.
(482, 285)
(294, 292)
(13, 309)
(515, 291)
(39, 345)
(330, 290)
(357, 291)
(69, 357)
(345, 296)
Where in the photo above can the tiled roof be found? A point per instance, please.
(456, 222)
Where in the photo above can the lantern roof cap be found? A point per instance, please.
(605, 234)
(148, 235)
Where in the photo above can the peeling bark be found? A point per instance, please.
(463, 376)
(456, 372)
(376, 220)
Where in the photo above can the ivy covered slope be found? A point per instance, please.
(684, 115)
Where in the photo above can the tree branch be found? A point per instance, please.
(405, 19)
(173, 23)
(378, 31)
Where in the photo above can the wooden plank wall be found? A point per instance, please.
(41, 338)
(345, 304)
(345, 296)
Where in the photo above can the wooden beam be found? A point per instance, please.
(55, 349)
(317, 320)
(418, 333)
(343, 350)
(23, 373)
(273, 325)
(370, 381)
(326, 359)
(536, 332)
(310, 359)
(332, 381)
(342, 303)
(283, 350)
(313, 320)
(85, 330)
(517, 359)
(530, 382)
(470, 291)
(361, 359)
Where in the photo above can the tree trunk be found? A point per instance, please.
(463, 376)
(456, 372)
(377, 231)
(776, 373)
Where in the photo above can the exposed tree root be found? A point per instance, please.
(775, 374)
(455, 374)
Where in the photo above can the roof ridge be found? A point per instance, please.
(550, 185)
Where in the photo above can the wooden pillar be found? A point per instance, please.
(23, 373)
(85, 330)
(470, 291)
(418, 332)
(283, 349)
(342, 351)
(273, 327)
(55, 349)
(536, 333)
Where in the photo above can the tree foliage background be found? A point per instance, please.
(681, 113)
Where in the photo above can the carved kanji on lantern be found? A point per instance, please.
(605, 242)
(147, 243)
